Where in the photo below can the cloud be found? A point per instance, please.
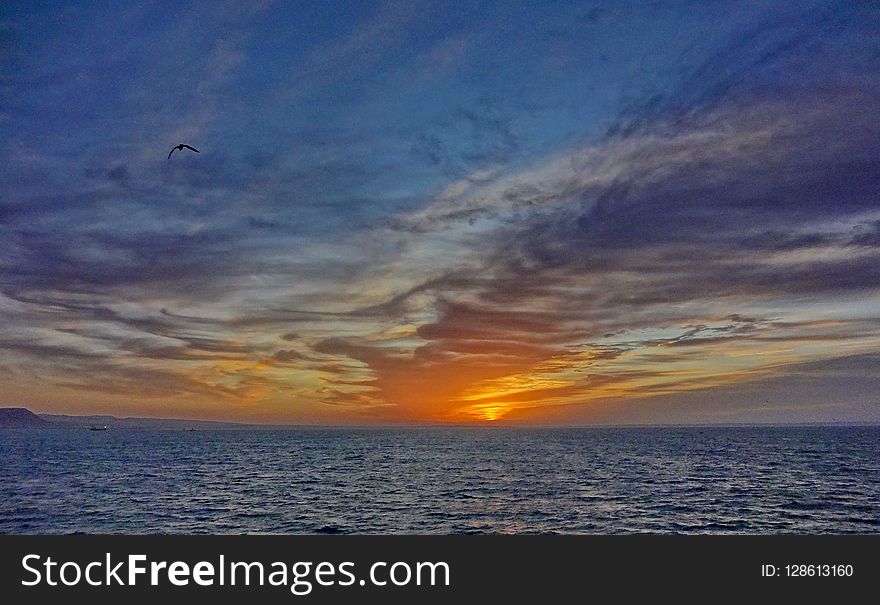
(420, 218)
(666, 232)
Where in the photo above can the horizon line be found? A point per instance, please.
(451, 425)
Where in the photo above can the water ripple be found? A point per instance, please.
(724, 480)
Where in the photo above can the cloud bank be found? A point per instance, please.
(409, 218)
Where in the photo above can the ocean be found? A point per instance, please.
(753, 480)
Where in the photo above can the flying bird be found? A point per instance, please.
(180, 147)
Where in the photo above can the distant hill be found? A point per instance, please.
(64, 420)
(19, 417)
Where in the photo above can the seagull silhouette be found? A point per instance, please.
(180, 147)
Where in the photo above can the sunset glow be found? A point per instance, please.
(399, 215)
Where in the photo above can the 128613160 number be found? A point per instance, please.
(808, 570)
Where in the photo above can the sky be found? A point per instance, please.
(529, 213)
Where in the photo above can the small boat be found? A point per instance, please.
(98, 428)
